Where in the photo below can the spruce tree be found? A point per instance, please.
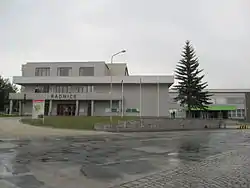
(190, 87)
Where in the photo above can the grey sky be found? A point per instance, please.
(152, 32)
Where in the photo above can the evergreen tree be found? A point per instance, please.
(190, 87)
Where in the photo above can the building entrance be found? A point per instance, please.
(210, 114)
(66, 109)
(89, 109)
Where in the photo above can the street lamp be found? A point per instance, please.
(111, 82)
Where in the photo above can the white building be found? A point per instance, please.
(84, 88)
(230, 102)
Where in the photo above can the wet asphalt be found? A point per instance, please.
(132, 160)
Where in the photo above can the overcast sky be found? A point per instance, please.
(152, 31)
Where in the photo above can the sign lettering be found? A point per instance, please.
(63, 96)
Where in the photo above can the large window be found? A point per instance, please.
(41, 89)
(60, 89)
(81, 89)
(70, 89)
(64, 71)
(84, 89)
(42, 71)
(86, 71)
(239, 113)
(220, 100)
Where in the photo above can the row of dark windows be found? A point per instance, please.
(64, 89)
(226, 100)
(64, 71)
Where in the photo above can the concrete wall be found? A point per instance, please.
(83, 107)
(101, 106)
(27, 108)
(247, 103)
(162, 124)
(149, 97)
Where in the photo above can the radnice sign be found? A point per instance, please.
(58, 96)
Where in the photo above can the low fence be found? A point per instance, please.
(242, 127)
(161, 124)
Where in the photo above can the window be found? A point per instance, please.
(52, 89)
(42, 71)
(62, 89)
(64, 71)
(41, 89)
(57, 89)
(243, 112)
(45, 89)
(239, 113)
(220, 101)
(81, 89)
(84, 89)
(86, 71)
(90, 89)
(69, 89)
(233, 113)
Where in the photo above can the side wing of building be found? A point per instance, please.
(231, 100)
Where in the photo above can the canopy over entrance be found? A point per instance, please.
(217, 108)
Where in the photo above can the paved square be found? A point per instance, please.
(133, 160)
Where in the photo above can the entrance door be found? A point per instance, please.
(225, 114)
(89, 109)
(46, 108)
(66, 109)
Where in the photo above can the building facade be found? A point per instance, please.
(90, 89)
(231, 102)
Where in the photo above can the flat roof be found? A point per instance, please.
(55, 62)
(222, 90)
(94, 80)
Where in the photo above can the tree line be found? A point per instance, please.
(6, 87)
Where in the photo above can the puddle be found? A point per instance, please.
(6, 167)
(173, 154)
(152, 149)
(6, 145)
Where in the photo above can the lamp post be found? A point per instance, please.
(111, 82)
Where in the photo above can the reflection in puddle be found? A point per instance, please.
(6, 167)
(173, 154)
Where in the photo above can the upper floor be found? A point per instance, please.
(86, 73)
(73, 69)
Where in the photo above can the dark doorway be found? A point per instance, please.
(66, 109)
(89, 109)
(225, 114)
(46, 108)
